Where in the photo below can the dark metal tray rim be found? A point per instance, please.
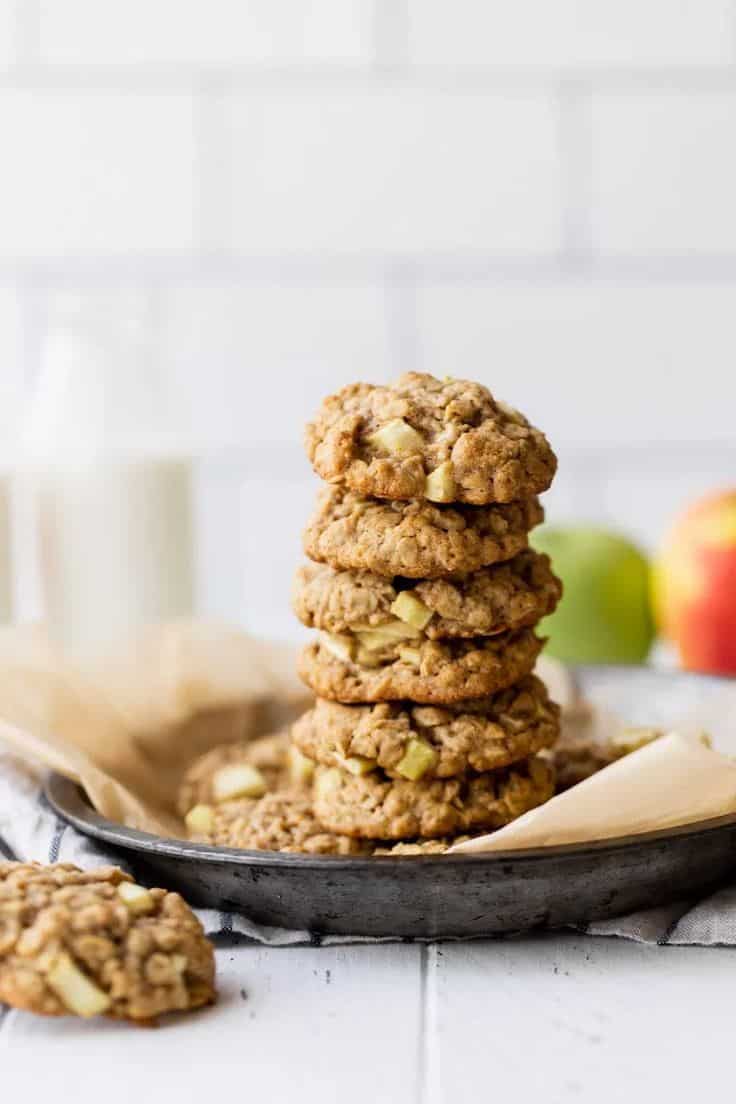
(69, 801)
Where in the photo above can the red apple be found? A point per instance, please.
(695, 585)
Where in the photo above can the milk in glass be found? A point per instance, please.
(114, 492)
(6, 584)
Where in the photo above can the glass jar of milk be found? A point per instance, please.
(113, 488)
(11, 405)
(6, 575)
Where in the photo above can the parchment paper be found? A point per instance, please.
(127, 725)
(675, 780)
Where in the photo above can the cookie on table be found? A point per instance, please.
(372, 806)
(277, 822)
(423, 438)
(431, 672)
(510, 595)
(418, 742)
(248, 768)
(418, 540)
(87, 943)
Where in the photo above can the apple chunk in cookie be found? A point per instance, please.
(368, 606)
(245, 769)
(425, 671)
(416, 540)
(422, 438)
(376, 807)
(411, 741)
(90, 943)
(277, 822)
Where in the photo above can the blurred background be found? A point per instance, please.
(287, 196)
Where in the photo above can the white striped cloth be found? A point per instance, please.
(31, 831)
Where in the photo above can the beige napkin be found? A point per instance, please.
(126, 725)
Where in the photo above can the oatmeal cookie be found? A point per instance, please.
(92, 942)
(429, 741)
(429, 672)
(494, 599)
(444, 440)
(277, 822)
(417, 540)
(422, 847)
(582, 751)
(375, 807)
(217, 775)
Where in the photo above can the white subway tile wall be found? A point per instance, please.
(8, 15)
(571, 33)
(11, 367)
(537, 194)
(392, 170)
(664, 172)
(96, 171)
(597, 362)
(219, 32)
(251, 361)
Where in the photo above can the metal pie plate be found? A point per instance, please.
(450, 895)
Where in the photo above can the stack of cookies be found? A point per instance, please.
(425, 594)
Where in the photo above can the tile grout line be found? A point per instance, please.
(420, 1095)
(27, 20)
(211, 202)
(34, 315)
(402, 326)
(592, 490)
(220, 266)
(34, 310)
(391, 66)
(429, 1087)
(576, 155)
(390, 36)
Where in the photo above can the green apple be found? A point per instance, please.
(605, 614)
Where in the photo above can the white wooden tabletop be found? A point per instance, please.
(544, 1018)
